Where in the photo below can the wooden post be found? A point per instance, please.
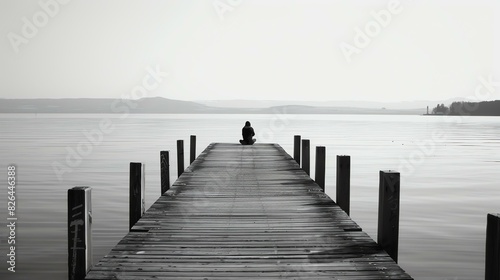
(344, 183)
(388, 213)
(164, 171)
(136, 197)
(180, 157)
(192, 153)
(320, 166)
(79, 232)
(306, 156)
(493, 247)
(296, 148)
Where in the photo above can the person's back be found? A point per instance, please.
(247, 133)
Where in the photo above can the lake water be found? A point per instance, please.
(449, 177)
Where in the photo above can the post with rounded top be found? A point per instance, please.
(344, 183)
(79, 232)
(180, 157)
(192, 150)
(164, 171)
(492, 271)
(296, 148)
(306, 156)
(388, 213)
(137, 205)
(320, 166)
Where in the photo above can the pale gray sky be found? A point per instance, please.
(249, 49)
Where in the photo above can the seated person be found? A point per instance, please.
(247, 133)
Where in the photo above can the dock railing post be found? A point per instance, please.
(296, 148)
(492, 271)
(306, 156)
(388, 213)
(344, 183)
(320, 166)
(180, 157)
(192, 150)
(136, 198)
(79, 232)
(164, 171)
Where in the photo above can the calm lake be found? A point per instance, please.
(449, 177)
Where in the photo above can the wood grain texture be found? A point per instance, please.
(246, 212)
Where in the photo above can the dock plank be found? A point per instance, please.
(246, 212)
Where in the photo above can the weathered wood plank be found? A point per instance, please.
(246, 212)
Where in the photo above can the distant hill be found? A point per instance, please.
(155, 105)
(297, 109)
(403, 105)
(159, 105)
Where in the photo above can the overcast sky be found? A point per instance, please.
(248, 49)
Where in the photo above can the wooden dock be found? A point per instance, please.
(246, 212)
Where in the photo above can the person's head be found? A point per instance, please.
(247, 123)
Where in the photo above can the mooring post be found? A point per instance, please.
(180, 157)
(344, 183)
(306, 156)
(492, 271)
(79, 232)
(136, 198)
(164, 171)
(192, 149)
(296, 148)
(388, 213)
(320, 166)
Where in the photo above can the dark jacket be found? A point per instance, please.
(247, 133)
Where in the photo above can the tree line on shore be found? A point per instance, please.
(467, 108)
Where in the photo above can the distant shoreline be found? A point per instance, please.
(159, 105)
(450, 115)
(206, 113)
(118, 115)
(236, 113)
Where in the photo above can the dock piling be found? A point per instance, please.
(296, 148)
(79, 232)
(180, 157)
(388, 213)
(192, 150)
(320, 166)
(136, 193)
(492, 271)
(306, 156)
(344, 183)
(164, 171)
